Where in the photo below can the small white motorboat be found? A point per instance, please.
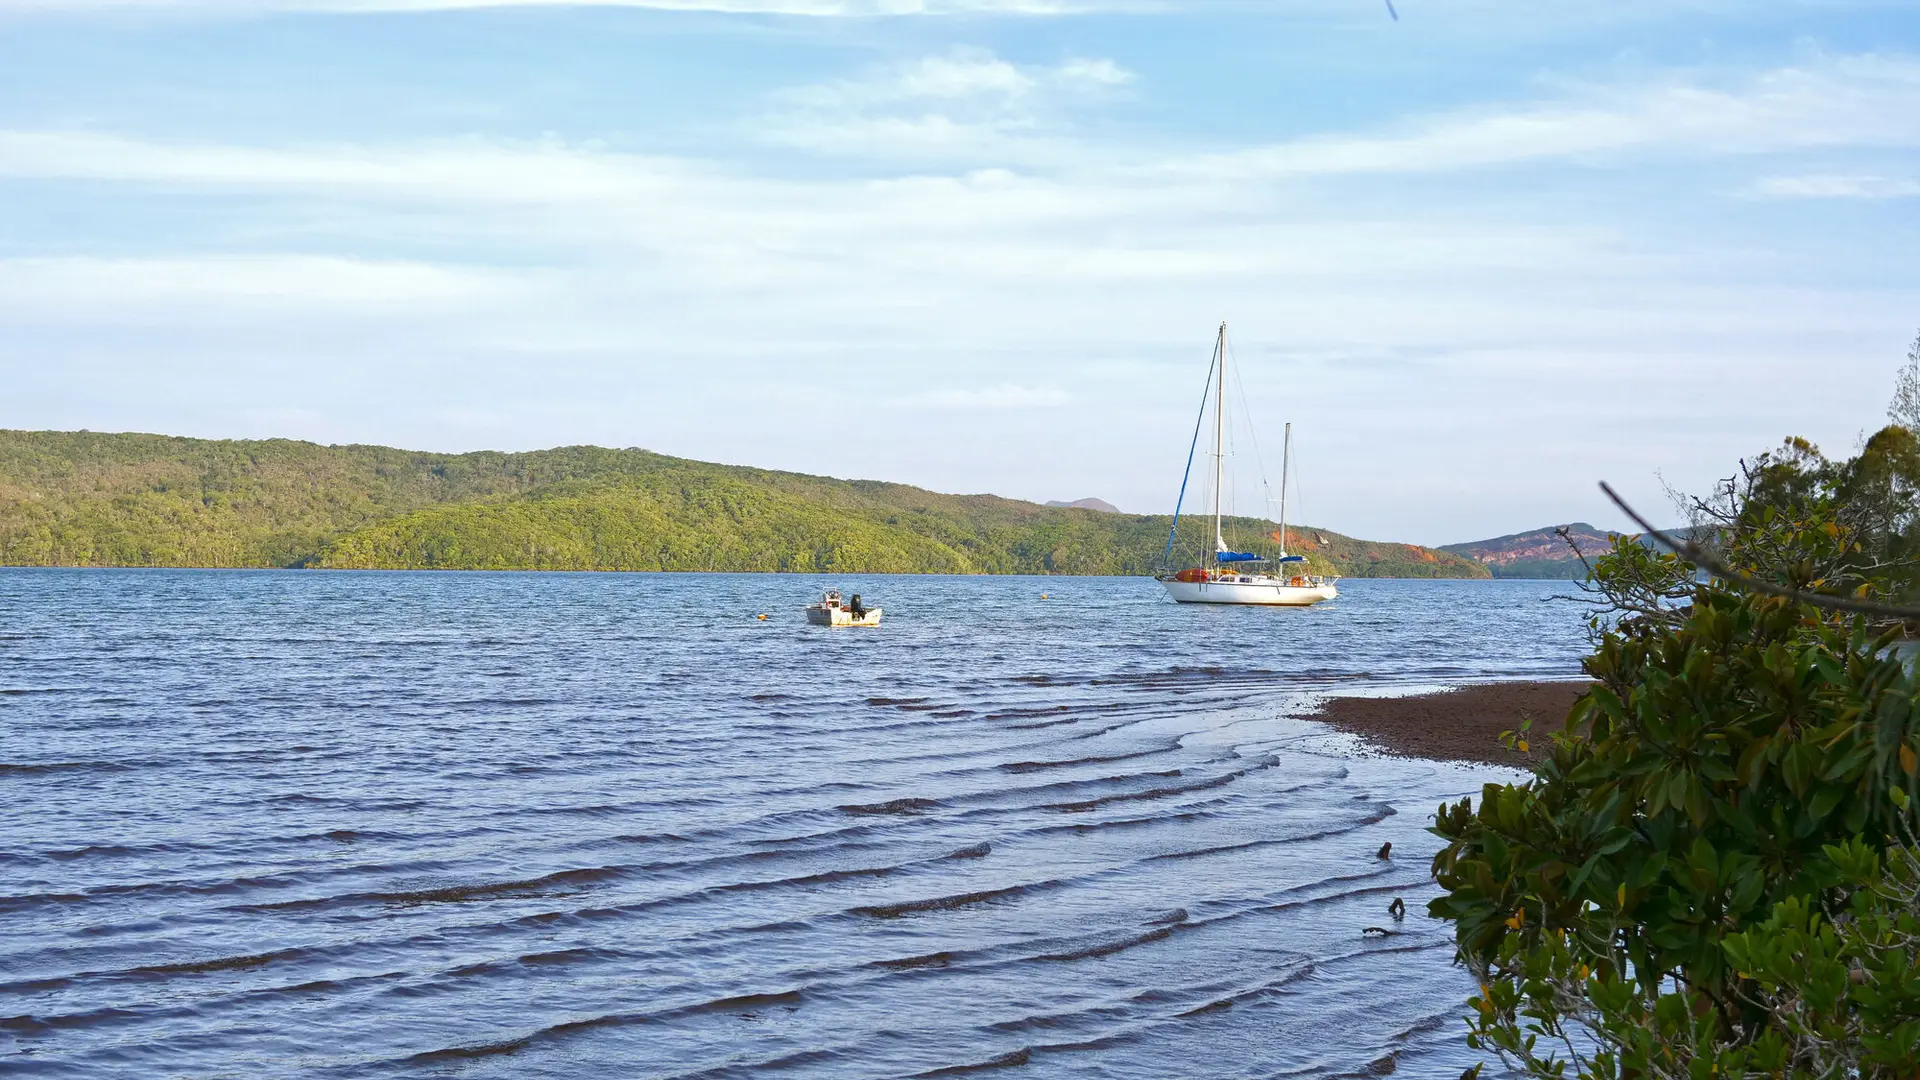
(832, 611)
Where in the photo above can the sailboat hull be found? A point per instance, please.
(1252, 591)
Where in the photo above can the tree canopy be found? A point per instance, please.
(1715, 871)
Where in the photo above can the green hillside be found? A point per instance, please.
(88, 499)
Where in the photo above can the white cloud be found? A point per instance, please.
(964, 73)
(246, 286)
(998, 397)
(1092, 73)
(1864, 101)
(1829, 186)
(960, 74)
(964, 103)
(455, 169)
(803, 8)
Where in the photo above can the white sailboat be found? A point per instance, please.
(1226, 576)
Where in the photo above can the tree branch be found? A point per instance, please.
(1693, 553)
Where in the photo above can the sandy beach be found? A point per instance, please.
(1457, 725)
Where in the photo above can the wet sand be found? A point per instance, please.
(1457, 725)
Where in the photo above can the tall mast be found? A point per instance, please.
(1219, 430)
(1286, 448)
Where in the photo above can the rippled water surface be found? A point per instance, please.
(522, 825)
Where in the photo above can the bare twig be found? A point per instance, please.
(1566, 534)
(1694, 554)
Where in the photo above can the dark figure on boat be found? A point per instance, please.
(856, 608)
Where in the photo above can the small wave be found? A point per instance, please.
(1169, 791)
(225, 963)
(655, 838)
(1304, 970)
(352, 836)
(469, 1053)
(911, 963)
(1248, 845)
(558, 882)
(302, 799)
(42, 768)
(1004, 1061)
(1124, 823)
(823, 877)
(745, 1004)
(1383, 1066)
(100, 850)
(1091, 759)
(43, 1025)
(1038, 724)
(1027, 712)
(29, 901)
(974, 851)
(1111, 946)
(895, 701)
(893, 806)
(942, 903)
(556, 958)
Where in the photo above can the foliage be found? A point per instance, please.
(86, 499)
(1713, 872)
(1794, 518)
(1800, 520)
(1905, 407)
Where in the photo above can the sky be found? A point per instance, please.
(1482, 256)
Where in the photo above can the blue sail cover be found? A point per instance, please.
(1292, 558)
(1237, 556)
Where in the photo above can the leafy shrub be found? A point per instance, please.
(1714, 871)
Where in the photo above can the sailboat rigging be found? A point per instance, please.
(1224, 575)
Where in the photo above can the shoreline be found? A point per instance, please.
(1462, 724)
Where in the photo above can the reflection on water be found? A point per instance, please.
(303, 823)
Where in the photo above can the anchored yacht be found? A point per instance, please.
(1226, 576)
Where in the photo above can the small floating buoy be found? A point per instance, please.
(763, 618)
(1043, 596)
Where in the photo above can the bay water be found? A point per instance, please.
(266, 824)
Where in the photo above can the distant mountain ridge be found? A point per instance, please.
(1101, 505)
(91, 499)
(1539, 553)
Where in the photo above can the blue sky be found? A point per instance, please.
(1481, 257)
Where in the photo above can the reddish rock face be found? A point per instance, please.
(1540, 545)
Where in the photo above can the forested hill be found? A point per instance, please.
(1541, 553)
(88, 499)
